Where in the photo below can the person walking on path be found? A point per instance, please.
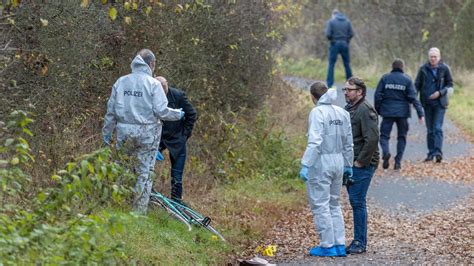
(393, 96)
(339, 33)
(433, 83)
(327, 157)
(135, 108)
(365, 134)
(175, 135)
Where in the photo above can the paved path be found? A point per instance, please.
(408, 203)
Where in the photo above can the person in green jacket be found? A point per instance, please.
(365, 134)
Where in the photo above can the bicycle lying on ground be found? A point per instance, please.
(183, 213)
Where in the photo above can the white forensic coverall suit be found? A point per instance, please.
(329, 150)
(135, 108)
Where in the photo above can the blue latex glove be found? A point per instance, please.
(107, 140)
(348, 171)
(181, 114)
(304, 173)
(159, 156)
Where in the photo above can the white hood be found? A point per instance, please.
(329, 97)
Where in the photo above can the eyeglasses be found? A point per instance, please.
(348, 89)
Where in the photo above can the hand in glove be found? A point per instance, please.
(347, 177)
(159, 156)
(348, 172)
(304, 173)
(107, 140)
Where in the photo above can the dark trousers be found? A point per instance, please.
(402, 130)
(177, 169)
(338, 47)
(357, 197)
(434, 117)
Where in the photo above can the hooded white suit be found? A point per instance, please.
(329, 150)
(136, 107)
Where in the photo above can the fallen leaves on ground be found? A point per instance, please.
(441, 236)
(459, 170)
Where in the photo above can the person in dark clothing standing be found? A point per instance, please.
(175, 135)
(339, 33)
(395, 92)
(365, 133)
(434, 82)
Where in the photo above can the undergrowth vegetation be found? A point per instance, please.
(58, 224)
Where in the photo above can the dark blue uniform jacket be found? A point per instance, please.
(395, 92)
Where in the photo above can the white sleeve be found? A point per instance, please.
(110, 120)
(348, 146)
(315, 139)
(160, 106)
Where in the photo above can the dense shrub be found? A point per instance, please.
(63, 58)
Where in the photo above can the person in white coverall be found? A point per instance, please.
(328, 156)
(135, 108)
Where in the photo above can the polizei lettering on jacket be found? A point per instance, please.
(391, 86)
(133, 93)
(335, 122)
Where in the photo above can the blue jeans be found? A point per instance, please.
(177, 169)
(338, 47)
(434, 117)
(402, 130)
(357, 194)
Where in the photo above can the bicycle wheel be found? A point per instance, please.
(161, 203)
(198, 219)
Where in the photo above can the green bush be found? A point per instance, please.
(65, 59)
(58, 224)
(247, 150)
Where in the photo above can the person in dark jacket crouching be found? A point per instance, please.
(175, 135)
(395, 92)
(365, 134)
(434, 82)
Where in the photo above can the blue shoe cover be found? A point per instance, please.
(341, 250)
(323, 252)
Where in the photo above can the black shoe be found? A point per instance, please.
(386, 162)
(355, 248)
(439, 158)
(429, 158)
(397, 166)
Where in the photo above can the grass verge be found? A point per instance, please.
(243, 211)
(313, 68)
(159, 239)
(461, 106)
